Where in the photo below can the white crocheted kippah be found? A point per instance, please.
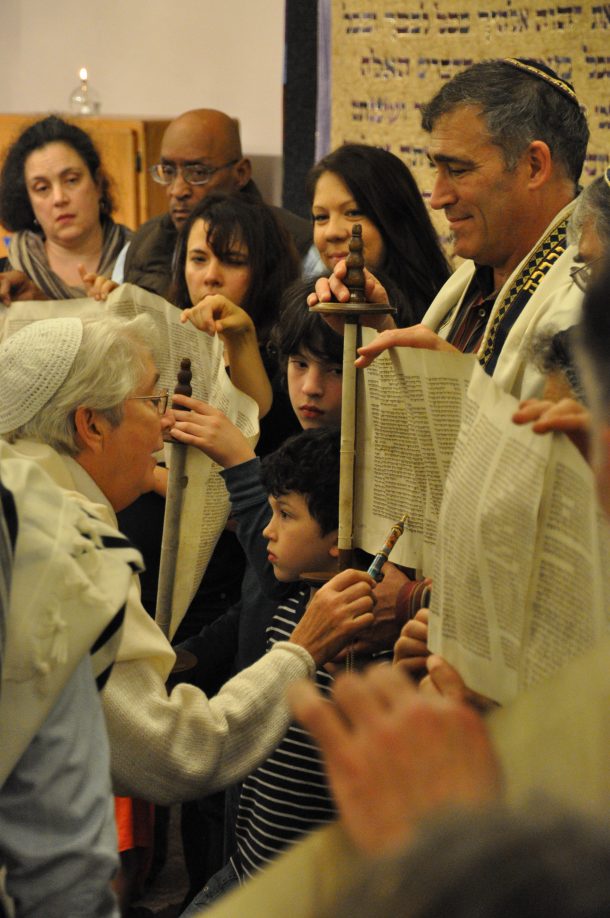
(34, 363)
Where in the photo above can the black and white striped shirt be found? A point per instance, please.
(288, 795)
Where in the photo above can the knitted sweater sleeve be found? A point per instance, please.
(168, 748)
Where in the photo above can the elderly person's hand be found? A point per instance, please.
(384, 630)
(394, 756)
(15, 286)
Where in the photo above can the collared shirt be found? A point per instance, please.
(473, 315)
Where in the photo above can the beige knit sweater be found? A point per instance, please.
(171, 747)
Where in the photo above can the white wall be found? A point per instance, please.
(149, 57)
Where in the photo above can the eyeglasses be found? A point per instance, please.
(159, 401)
(582, 274)
(192, 173)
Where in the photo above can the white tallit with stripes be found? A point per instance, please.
(70, 577)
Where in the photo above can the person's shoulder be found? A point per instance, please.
(161, 222)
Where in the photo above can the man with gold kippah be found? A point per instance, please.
(507, 142)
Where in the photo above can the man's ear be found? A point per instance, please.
(540, 164)
(243, 172)
(90, 427)
(333, 551)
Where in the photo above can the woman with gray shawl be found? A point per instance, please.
(55, 199)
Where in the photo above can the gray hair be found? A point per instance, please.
(518, 108)
(109, 366)
(593, 203)
(594, 341)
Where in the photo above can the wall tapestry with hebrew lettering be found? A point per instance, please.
(390, 56)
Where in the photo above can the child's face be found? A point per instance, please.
(208, 273)
(314, 387)
(295, 544)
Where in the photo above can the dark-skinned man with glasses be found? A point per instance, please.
(200, 154)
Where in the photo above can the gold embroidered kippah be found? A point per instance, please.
(541, 72)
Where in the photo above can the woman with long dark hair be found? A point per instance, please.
(357, 183)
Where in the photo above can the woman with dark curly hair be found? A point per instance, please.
(357, 183)
(55, 198)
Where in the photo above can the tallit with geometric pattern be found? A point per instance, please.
(514, 301)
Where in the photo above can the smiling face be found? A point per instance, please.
(486, 205)
(295, 543)
(334, 212)
(314, 387)
(64, 195)
(206, 272)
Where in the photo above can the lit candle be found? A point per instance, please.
(83, 74)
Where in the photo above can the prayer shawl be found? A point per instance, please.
(8, 535)
(539, 295)
(27, 253)
(71, 573)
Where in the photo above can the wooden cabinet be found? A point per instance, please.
(128, 146)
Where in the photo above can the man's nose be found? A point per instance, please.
(178, 187)
(443, 192)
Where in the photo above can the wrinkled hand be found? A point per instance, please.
(215, 314)
(414, 336)
(207, 428)
(567, 416)
(96, 285)
(395, 757)
(337, 613)
(445, 681)
(385, 628)
(411, 648)
(16, 286)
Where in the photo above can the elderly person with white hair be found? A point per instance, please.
(64, 576)
(589, 228)
(81, 398)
